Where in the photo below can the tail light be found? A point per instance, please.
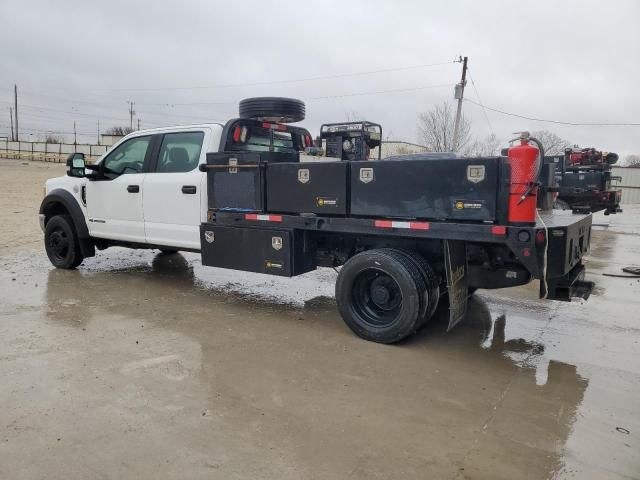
(240, 134)
(307, 140)
(274, 126)
(540, 237)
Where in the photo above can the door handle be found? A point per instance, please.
(133, 188)
(189, 189)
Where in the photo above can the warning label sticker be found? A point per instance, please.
(468, 204)
(326, 202)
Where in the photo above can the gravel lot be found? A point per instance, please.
(140, 365)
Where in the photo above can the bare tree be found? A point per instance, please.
(552, 143)
(632, 160)
(486, 147)
(53, 139)
(119, 131)
(352, 116)
(435, 129)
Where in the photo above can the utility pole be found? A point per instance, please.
(75, 140)
(98, 132)
(11, 118)
(131, 113)
(138, 124)
(459, 95)
(15, 98)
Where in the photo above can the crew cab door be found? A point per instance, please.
(173, 199)
(114, 199)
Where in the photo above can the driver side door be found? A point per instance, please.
(114, 200)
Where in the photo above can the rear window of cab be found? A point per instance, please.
(255, 136)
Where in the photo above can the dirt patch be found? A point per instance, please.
(23, 184)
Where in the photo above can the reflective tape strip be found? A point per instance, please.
(406, 225)
(263, 218)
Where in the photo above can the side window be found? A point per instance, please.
(128, 157)
(179, 152)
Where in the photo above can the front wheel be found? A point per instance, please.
(379, 295)
(61, 243)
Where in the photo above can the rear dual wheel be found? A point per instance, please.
(384, 295)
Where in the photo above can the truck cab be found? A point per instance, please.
(146, 190)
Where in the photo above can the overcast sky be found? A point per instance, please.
(191, 61)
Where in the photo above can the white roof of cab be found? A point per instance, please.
(175, 128)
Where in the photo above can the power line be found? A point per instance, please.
(277, 82)
(324, 97)
(484, 110)
(381, 92)
(558, 122)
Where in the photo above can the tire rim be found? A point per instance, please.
(58, 244)
(376, 298)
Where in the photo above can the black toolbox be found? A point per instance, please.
(235, 181)
(431, 188)
(308, 187)
(262, 250)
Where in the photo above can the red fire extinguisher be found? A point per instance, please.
(526, 165)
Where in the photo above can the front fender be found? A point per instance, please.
(62, 198)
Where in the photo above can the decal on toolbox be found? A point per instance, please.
(233, 162)
(303, 175)
(474, 204)
(366, 175)
(476, 173)
(326, 202)
(276, 243)
(209, 236)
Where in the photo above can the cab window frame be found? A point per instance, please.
(155, 163)
(145, 160)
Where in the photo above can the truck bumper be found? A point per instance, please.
(571, 285)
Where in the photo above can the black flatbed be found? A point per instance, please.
(436, 229)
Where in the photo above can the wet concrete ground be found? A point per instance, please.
(141, 365)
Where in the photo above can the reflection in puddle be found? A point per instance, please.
(489, 379)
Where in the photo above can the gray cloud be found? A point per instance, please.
(571, 60)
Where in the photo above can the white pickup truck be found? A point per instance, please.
(407, 231)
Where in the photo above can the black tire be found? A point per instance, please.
(431, 281)
(168, 251)
(380, 295)
(273, 109)
(61, 243)
(561, 205)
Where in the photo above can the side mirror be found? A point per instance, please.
(76, 165)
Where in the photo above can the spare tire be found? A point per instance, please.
(273, 109)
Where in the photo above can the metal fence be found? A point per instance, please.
(629, 184)
(49, 152)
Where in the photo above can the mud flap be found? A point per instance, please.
(455, 264)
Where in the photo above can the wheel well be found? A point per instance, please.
(53, 209)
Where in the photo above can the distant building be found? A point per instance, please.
(397, 147)
(109, 140)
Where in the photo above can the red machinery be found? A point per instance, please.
(589, 156)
